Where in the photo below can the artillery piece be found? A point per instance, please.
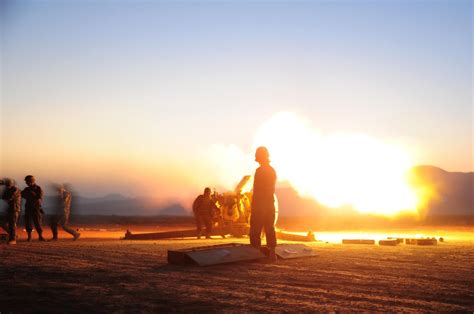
(234, 210)
(232, 217)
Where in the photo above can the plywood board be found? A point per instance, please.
(391, 242)
(427, 241)
(358, 241)
(287, 251)
(215, 255)
(431, 241)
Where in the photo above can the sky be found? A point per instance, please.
(133, 96)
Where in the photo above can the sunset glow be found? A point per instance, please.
(339, 169)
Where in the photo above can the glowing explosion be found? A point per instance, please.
(341, 169)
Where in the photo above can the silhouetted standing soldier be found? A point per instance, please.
(12, 196)
(203, 208)
(33, 194)
(62, 212)
(263, 203)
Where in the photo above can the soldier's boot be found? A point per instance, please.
(77, 235)
(29, 237)
(55, 236)
(272, 255)
(40, 238)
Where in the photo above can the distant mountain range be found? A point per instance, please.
(453, 194)
(117, 204)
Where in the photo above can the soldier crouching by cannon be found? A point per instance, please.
(204, 207)
(12, 196)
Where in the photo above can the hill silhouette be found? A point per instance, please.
(453, 192)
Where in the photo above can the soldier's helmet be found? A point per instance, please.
(8, 181)
(30, 178)
(57, 187)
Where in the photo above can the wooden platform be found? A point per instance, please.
(427, 241)
(358, 241)
(214, 255)
(390, 242)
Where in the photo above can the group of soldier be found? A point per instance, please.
(263, 205)
(33, 195)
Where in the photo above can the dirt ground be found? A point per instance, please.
(100, 273)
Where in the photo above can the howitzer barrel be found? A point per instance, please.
(236, 230)
(161, 235)
(288, 236)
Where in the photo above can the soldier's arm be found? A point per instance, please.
(40, 194)
(256, 179)
(274, 179)
(196, 204)
(5, 195)
(67, 199)
(17, 193)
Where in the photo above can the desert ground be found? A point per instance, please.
(100, 273)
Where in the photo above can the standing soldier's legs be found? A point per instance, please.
(54, 226)
(28, 223)
(269, 227)
(12, 222)
(208, 222)
(4, 222)
(256, 225)
(199, 224)
(38, 221)
(64, 223)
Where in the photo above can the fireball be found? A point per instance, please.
(338, 170)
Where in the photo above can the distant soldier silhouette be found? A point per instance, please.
(12, 196)
(33, 194)
(62, 212)
(263, 203)
(203, 208)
